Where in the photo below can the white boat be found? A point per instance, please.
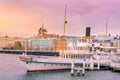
(45, 63)
(115, 64)
(50, 63)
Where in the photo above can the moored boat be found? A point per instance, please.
(115, 64)
(63, 62)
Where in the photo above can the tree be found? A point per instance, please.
(17, 45)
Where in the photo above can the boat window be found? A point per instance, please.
(44, 64)
(85, 65)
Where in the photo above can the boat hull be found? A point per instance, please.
(115, 66)
(116, 69)
(47, 70)
(42, 67)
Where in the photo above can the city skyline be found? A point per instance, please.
(25, 17)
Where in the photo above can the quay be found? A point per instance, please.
(32, 52)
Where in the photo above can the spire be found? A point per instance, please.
(42, 26)
(65, 21)
(42, 30)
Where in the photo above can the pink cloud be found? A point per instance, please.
(28, 15)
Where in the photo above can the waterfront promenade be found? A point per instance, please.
(32, 52)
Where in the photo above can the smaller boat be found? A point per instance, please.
(115, 64)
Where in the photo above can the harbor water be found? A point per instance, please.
(13, 69)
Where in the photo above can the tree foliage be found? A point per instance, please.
(17, 45)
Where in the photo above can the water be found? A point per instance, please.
(13, 69)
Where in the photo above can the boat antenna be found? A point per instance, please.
(65, 21)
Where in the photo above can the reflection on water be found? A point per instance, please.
(10, 63)
(13, 69)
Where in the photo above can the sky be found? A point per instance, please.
(23, 18)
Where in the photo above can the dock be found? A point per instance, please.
(81, 66)
(79, 69)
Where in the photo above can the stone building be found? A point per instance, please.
(8, 42)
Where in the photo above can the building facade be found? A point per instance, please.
(8, 42)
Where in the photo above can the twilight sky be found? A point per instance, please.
(24, 17)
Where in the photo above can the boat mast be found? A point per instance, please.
(65, 22)
(62, 42)
(106, 32)
(106, 26)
